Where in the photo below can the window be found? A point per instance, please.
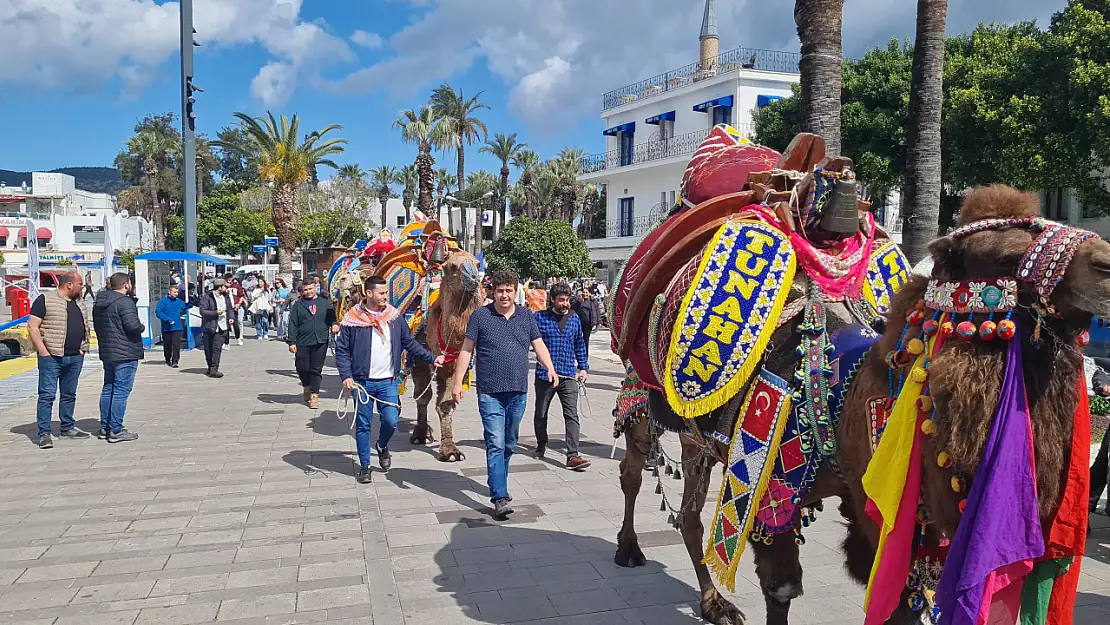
(1055, 207)
(722, 115)
(88, 235)
(627, 210)
(1090, 211)
(626, 147)
(663, 198)
(3, 241)
(671, 200)
(400, 221)
(666, 129)
(44, 242)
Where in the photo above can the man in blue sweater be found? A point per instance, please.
(368, 355)
(170, 311)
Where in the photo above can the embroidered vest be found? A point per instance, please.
(53, 326)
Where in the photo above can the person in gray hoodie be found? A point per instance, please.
(119, 335)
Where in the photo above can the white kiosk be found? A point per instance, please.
(153, 276)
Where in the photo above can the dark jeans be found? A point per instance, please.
(119, 379)
(568, 397)
(586, 338)
(58, 372)
(171, 345)
(501, 414)
(380, 391)
(214, 347)
(1099, 472)
(309, 362)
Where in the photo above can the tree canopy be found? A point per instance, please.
(539, 249)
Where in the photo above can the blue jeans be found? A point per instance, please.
(386, 391)
(119, 377)
(261, 324)
(501, 414)
(282, 320)
(55, 372)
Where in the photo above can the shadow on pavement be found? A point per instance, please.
(289, 373)
(280, 398)
(323, 463)
(31, 430)
(194, 371)
(328, 423)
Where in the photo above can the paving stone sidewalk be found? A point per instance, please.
(238, 505)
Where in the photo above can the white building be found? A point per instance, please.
(653, 127)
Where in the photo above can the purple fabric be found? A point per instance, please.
(1001, 524)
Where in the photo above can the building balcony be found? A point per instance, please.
(731, 61)
(654, 150)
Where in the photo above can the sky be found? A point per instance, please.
(77, 74)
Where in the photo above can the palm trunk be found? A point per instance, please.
(503, 197)
(285, 224)
(157, 214)
(383, 199)
(462, 184)
(478, 209)
(819, 29)
(425, 167)
(921, 212)
(200, 183)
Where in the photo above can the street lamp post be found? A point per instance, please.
(466, 231)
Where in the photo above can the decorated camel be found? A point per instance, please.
(436, 284)
(750, 361)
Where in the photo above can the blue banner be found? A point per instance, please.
(270, 241)
(259, 249)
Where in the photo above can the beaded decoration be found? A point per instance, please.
(1044, 264)
(972, 296)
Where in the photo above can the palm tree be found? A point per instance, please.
(545, 192)
(285, 164)
(445, 181)
(478, 184)
(410, 177)
(819, 29)
(424, 129)
(153, 150)
(505, 148)
(458, 112)
(382, 178)
(206, 164)
(351, 171)
(921, 211)
(526, 161)
(567, 166)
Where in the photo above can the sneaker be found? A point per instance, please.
(364, 475)
(541, 449)
(306, 392)
(214, 373)
(73, 433)
(502, 509)
(102, 433)
(314, 401)
(240, 341)
(577, 463)
(46, 442)
(385, 459)
(174, 365)
(122, 436)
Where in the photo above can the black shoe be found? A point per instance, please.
(122, 436)
(174, 365)
(385, 459)
(364, 475)
(102, 433)
(46, 442)
(215, 373)
(502, 509)
(73, 433)
(541, 449)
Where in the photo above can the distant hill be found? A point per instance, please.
(96, 179)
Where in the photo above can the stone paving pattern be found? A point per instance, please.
(238, 505)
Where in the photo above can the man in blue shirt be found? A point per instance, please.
(499, 335)
(169, 311)
(561, 331)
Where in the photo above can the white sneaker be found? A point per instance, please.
(240, 342)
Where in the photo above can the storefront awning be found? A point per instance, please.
(669, 116)
(705, 106)
(630, 127)
(44, 233)
(3, 231)
(764, 100)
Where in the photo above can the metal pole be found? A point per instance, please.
(189, 151)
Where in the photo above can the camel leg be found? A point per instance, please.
(421, 380)
(714, 607)
(638, 444)
(445, 406)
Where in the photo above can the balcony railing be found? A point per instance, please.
(740, 58)
(638, 227)
(653, 150)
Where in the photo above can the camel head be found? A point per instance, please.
(460, 275)
(970, 253)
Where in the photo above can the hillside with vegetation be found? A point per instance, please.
(95, 179)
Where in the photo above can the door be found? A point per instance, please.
(627, 210)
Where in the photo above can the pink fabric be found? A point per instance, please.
(1002, 596)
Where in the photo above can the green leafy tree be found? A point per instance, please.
(539, 249)
(329, 228)
(126, 258)
(229, 221)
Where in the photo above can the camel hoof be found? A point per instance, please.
(629, 555)
(720, 611)
(421, 436)
(452, 456)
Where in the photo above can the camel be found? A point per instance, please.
(460, 294)
(965, 381)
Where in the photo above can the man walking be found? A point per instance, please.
(587, 315)
(216, 314)
(368, 356)
(498, 335)
(239, 299)
(1100, 385)
(169, 311)
(119, 335)
(310, 319)
(562, 334)
(59, 330)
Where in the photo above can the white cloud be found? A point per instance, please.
(559, 56)
(366, 39)
(81, 45)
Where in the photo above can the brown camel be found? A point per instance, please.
(965, 380)
(460, 294)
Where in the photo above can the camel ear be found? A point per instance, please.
(944, 252)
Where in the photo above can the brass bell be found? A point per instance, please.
(439, 251)
(841, 213)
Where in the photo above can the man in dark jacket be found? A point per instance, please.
(120, 336)
(169, 311)
(368, 356)
(1100, 385)
(217, 315)
(310, 319)
(584, 308)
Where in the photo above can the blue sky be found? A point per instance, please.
(81, 72)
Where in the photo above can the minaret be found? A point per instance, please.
(709, 40)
